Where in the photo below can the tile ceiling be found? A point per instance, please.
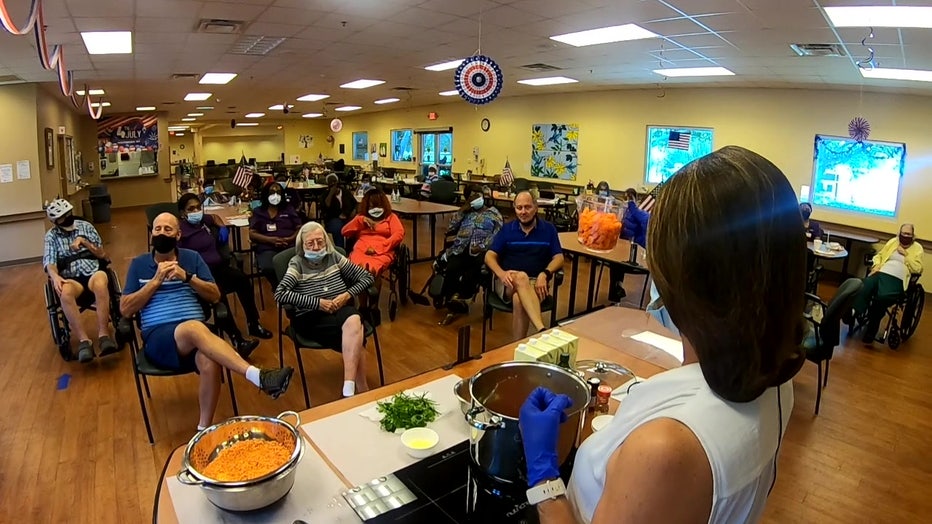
(330, 42)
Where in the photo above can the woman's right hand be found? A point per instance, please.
(327, 305)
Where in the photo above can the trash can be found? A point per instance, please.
(100, 203)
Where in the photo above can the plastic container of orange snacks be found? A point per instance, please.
(600, 221)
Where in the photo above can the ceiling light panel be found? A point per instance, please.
(914, 75)
(92, 92)
(204, 108)
(694, 71)
(312, 115)
(217, 78)
(312, 98)
(387, 101)
(449, 93)
(197, 97)
(445, 66)
(108, 42)
(247, 124)
(145, 108)
(255, 115)
(362, 84)
(195, 114)
(880, 16)
(347, 108)
(549, 81)
(605, 35)
(188, 119)
(279, 107)
(100, 104)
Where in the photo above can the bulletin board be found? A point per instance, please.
(19, 195)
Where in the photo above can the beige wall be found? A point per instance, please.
(179, 153)
(264, 143)
(54, 111)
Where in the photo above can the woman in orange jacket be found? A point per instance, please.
(377, 233)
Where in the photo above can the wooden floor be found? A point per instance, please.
(80, 453)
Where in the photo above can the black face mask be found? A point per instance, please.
(164, 244)
(66, 222)
(906, 241)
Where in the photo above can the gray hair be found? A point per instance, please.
(334, 177)
(910, 226)
(307, 228)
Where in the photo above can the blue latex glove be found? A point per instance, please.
(223, 236)
(539, 420)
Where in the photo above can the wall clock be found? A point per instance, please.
(485, 124)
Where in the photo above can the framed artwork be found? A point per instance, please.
(554, 151)
(383, 150)
(49, 148)
(360, 145)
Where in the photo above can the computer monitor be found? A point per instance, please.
(231, 161)
(252, 161)
(211, 163)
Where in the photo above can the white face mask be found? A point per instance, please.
(376, 212)
(275, 199)
(477, 203)
(657, 310)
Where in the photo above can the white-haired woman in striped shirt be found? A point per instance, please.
(321, 283)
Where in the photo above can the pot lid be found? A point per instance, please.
(610, 373)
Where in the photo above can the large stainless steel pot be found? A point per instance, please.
(252, 494)
(497, 395)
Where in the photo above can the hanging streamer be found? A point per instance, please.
(49, 60)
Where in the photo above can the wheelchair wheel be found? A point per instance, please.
(912, 311)
(893, 337)
(392, 306)
(403, 273)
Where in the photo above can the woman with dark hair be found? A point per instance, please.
(272, 228)
(207, 235)
(339, 206)
(377, 233)
(697, 443)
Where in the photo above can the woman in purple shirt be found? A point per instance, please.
(207, 235)
(272, 229)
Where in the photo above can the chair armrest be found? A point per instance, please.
(221, 311)
(558, 277)
(125, 328)
(810, 297)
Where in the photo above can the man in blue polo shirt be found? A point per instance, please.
(523, 256)
(164, 287)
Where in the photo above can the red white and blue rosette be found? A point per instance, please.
(478, 80)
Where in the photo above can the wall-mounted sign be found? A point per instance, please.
(432, 116)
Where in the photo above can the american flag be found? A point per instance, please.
(648, 203)
(508, 177)
(679, 140)
(243, 176)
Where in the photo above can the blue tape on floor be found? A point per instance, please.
(63, 381)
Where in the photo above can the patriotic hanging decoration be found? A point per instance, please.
(478, 80)
(53, 59)
(859, 129)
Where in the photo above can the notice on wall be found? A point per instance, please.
(6, 173)
(22, 170)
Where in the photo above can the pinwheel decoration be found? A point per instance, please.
(478, 80)
(859, 129)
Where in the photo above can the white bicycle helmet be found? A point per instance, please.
(58, 208)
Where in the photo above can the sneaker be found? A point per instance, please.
(107, 345)
(245, 347)
(85, 352)
(275, 381)
(256, 330)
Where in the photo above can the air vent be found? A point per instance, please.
(256, 45)
(167, 103)
(10, 79)
(540, 68)
(184, 76)
(402, 88)
(219, 26)
(818, 49)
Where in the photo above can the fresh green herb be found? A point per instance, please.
(407, 411)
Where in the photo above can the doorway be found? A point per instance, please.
(436, 149)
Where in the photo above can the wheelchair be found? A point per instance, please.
(399, 278)
(902, 318)
(61, 331)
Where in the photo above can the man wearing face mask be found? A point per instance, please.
(473, 228)
(273, 227)
(889, 275)
(207, 235)
(163, 287)
(77, 246)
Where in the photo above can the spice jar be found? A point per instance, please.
(601, 400)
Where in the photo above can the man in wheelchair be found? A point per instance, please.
(72, 258)
(163, 287)
(887, 281)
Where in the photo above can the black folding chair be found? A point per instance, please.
(492, 302)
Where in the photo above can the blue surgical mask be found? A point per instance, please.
(477, 203)
(657, 310)
(195, 217)
(315, 256)
(603, 193)
(208, 190)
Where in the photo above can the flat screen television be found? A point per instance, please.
(863, 177)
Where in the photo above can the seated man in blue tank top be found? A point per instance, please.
(523, 256)
(164, 288)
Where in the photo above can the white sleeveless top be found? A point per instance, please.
(740, 440)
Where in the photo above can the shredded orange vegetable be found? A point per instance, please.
(598, 230)
(247, 460)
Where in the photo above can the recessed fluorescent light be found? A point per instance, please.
(312, 98)
(387, 101)
(145, 108)
(204, 108)
(108, 42)
(197, 97)
(880, 16)
(217, 78)
(449, 93)
(362, 84)
(312, 115)
(549, 81)
(605, 35)
(92, 92)
(189, 119)
(916, 75)
(452, 64)
(195, 114)
(694, 71)
(100, 104)
(347, 108)
(179, 134)
(247, 124)
(279, 107)
(255, 115)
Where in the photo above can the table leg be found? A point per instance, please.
(591, 293)
(414, 239)
(844, 265)
(573, 278)
(433, 235)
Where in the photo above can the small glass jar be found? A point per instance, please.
(600, 220)
(601, 400)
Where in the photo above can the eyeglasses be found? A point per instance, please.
(315, 243)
